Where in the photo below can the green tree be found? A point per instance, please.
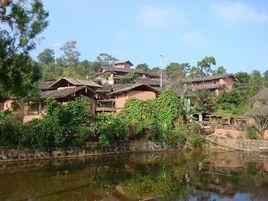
(106, 59)
(21, 22)
(143, 67)
(242, 77)
(255, 83)
(129, 78)
(177, 70)
(205, 101)
(220, 70)
(203, 68)
(155, 70)
(70, 54)
(46, 56)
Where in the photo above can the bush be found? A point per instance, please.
(252, 133)
(186, 137)
(61, 126)
(10, 130)
(108, 128)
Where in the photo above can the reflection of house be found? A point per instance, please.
(113, 74)
(215, 84)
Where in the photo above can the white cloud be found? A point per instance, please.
(193, 38)
(233, 13)
(158, 17)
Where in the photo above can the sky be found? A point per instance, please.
(234, 32)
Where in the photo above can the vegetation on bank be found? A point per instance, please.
(72, 125)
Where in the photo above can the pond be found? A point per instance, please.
(198, 176)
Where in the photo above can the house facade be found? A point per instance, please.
(117, 98)
(215, 84)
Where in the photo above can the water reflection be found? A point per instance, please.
(161, 176)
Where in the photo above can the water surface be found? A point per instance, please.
(178, 176)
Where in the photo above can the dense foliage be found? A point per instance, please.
(72, 125)
(21, 22)
(153, 116)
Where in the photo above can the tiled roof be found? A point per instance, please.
(62, 93)
(46, 85)
(133, 86)
(123, 61)
(79, 82)
(208, 78)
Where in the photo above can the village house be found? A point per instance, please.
(103, 98)
(117, 95)
(113, 74)
(215, 84)
(62, 90)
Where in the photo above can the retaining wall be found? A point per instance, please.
(7, 154)
(241, 144)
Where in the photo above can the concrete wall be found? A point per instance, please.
(141, 95)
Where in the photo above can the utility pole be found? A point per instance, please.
(56, 46)
(161, 71)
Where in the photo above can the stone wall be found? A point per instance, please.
(90, 149)
(240, 144)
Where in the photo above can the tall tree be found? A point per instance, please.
(203, 68)
(220, 70)
(20, 21)
(46, 56)
(255, 82)
(177, 70)
(143, 67)
(70, 54)
(155, 69)
(106, 59)
(242, 77)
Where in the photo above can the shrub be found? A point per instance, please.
(186, 137)
(252, 133)
(10, 130)
(61, 126)
(108, 128)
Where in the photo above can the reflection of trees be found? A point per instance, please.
(168, 176)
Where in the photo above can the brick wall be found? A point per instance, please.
(141, 95)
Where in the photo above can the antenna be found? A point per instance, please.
(161, 71)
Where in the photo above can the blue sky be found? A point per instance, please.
(234, 32)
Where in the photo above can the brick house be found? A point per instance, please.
(119, 94)
(216, 83)
(113, 74)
